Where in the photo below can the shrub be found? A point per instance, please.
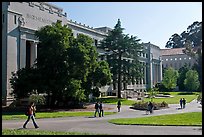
(141, 105)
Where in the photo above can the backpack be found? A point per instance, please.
(27, 112)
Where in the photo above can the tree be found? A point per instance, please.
(122, 56)
(52, 59)
(170, 78)
(182, 76)
(191, 82)
(193, 35)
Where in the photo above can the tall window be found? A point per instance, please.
(3, 18)
(28, 54)
(96, 42)
(15, 19)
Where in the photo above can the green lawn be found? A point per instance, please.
(39, 132)
(13, 116)
(184, 119)
(174, 100)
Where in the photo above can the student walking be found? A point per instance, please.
(184, 102)
(96, 109)
(119, 105)
(30, 114)
(100, 109)
(150, 107)
(181, 103)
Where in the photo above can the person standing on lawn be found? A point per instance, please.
(30, 114)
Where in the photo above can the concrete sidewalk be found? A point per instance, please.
(100, 125)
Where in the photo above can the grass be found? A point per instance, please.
(39, 132)
(18, 115)
(173, 100)
(184, 119)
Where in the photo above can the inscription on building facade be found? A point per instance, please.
(38, 18)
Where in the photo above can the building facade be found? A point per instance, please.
(19, 45)
(175, 58)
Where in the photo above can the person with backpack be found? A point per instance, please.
(181, 103)
(30, 113)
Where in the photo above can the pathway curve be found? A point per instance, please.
(100, 125)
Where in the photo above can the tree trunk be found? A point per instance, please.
(119, 75)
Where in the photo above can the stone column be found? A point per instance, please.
(33, 52)
(22, 53)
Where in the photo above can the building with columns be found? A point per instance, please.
(19, 45)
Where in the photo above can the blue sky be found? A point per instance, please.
(153, 22)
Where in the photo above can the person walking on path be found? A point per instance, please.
(150, 107)
(30, 114)
(184, 102)
(181, 103)
(96, 109)
(119, 105)
(100, 109)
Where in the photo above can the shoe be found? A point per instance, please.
(24, 127)
(36, 127)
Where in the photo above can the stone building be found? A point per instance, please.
(19, 45)
(175, 58)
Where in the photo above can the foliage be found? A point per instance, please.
(37, 99)
(160, 87)
(119, 46)
(170, 78)
(23, 82)
(193, 35)
(191, 82)
(182, 75)
(142, 105)
(183, 119)
(152, 92)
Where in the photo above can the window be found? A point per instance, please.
(171, 59)
(184, 58)
(3, 18)
(189, 57)
(175, 58)
(179, 58)
(28, 54)
(96, 42)
(14, 19)
(166, 59)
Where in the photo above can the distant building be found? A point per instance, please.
(19, 45)
(175, 58)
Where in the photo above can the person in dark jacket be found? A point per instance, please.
(181, 103)
(184, 102)
(96, 109)
(119, 105)
(100, 109)
(150, 107)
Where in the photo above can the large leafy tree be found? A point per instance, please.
(191, 82)
(170, 78)
(193, 35)
(52, 59)
(122, 56)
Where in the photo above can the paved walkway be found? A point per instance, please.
(100, 125)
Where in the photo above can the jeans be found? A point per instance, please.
(33, 119)
(96, 111)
